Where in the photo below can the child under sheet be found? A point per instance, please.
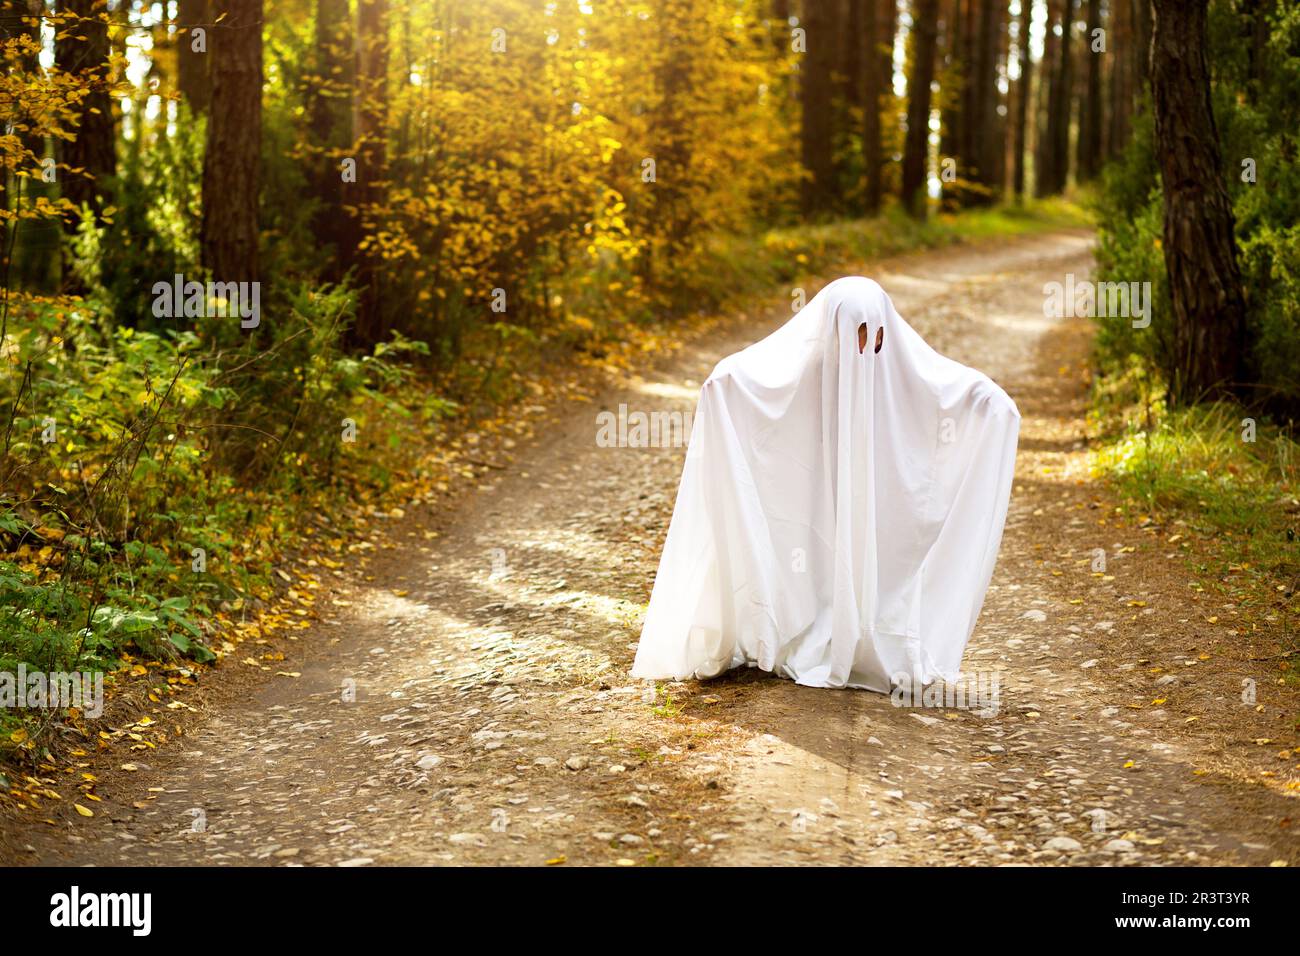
(840, 509)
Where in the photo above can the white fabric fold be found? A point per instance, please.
(840, 511)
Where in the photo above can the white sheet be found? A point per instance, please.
(839, 513)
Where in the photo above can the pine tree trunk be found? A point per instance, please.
(329, 114)
(372, 162)
(1046, 127)
(952, 70)
(967, 132)
(1254, 16)
(916, 150)
(873, 158)
(988, 140)
(1209, 324)
(1055, 171)
(1141, 19)
(1064, 102)
(856, 48)
(816, 130)
(1088, 161)
(232, 164)
(888, 33)
(191, 65)
(1024, 90)
(846, 22)
(1119, 38)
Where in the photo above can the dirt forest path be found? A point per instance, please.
(494, 720)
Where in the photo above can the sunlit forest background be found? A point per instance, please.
(444, 203)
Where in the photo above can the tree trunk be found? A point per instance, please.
(1064, 102)
(1024, 90)
(1055, 171)
(191, 65)
(1046, 127)
(1209, 322)
(1088, 161)
(888, 33)
(952, 80)
(846, 85)
(966, 135)
(372, 163)
(988, 140)
(816, 143)
(873, 158)
(329, 113)
(916, 150)
(81, 50)
(1254, 17)
(856, 50)
(889, 20)
(1119, 38)
(232, 164)
(1141, 19)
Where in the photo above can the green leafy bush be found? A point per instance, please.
(148, 476)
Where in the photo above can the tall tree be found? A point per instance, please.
(886, 31)
(816, 127)
(856, 52)
(1140, 14)
(920, 75)
(953, 67)
(191, 63)
(1209, 314)
(372, 162)
(81, 49)
(1024, 90)
(228, 236)
(1254, 32)
(855, 47)
(987, 142)
(1088, 148)
(846, 97)
(329, 115)
(1119, 38)
(959, 123)
(1043, 126)
(1054, 166)
(872, 80)
(889, 38)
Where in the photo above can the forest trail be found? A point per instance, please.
(495, 722)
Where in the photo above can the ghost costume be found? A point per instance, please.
(840, 510)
